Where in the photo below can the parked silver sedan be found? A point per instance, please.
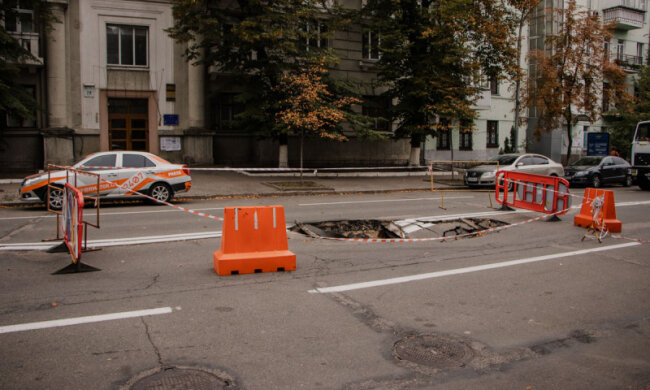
(484, 175)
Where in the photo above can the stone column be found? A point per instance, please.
(56, 70)
(196, 95)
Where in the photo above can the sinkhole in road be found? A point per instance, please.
(410, 228)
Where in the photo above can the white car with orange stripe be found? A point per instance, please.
(121, 173)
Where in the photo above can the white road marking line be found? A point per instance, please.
(380, 201)
(405, 279)
(116, 213)
(114, 241)
(83, 320)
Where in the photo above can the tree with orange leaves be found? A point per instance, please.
(570, 73)
(310, 107)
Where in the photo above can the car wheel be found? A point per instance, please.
(55, 198)
(161, 192)
(596, 182)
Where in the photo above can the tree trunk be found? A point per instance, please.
(302, 147)
(569, 129)
(283, 156)
(414, 158)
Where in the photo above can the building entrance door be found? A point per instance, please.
(128, 125)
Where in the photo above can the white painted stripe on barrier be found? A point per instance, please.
(381, 201)
(458, 271)
(83, 320)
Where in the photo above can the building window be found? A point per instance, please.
(605, 96)
(639, 53)
(13, 121)
(375, 108)
(443, 140)
(620, 49)
(370, 45)
(465, 135)
(317, 36)
(492, 134)
(21, 18)
(226, 111)
(494, 86)
(126, 45)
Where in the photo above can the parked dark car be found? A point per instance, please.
(596, 171)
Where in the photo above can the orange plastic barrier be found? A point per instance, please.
(608, 212)
(254, 239)
(544, 194)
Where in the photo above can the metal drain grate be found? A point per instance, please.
(433, 351)
(176, 378)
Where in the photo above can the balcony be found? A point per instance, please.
(628, 62)
(626, 14)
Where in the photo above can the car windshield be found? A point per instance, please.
(587, 161)
(505, 159)
(643, 132)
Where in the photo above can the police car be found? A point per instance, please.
(122, 173)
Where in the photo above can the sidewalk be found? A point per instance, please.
(213, 184)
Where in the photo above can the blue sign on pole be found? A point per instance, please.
(170, 119)
(597, 144)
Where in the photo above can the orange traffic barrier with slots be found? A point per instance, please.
(607, 213)
(254, 239)
(544, 194)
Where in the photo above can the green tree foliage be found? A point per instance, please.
(255, 42)
(14, 99)
(623, 122)
(434, 55)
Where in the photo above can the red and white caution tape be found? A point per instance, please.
(130, 191)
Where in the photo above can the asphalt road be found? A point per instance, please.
(529, 307)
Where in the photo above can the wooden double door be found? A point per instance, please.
(128, 124)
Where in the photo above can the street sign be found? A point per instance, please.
(597, 144)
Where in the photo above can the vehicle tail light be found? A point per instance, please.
(186, 170)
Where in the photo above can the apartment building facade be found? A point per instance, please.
(628, 47)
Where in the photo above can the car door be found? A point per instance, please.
(540, 166)
(525, 164)
(136, 173)
(609, 170)
(105, 165)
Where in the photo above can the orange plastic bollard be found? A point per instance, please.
(585, 218)
(254, 239)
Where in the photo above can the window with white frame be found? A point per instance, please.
(127, 45)
(494, 85)
(465, 136)
(21, 17)
(316, 35)
(492, 134)
(370, 45)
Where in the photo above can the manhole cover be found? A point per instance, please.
(433, 351)
(179, 378)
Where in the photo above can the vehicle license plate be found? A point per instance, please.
(472, 179)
